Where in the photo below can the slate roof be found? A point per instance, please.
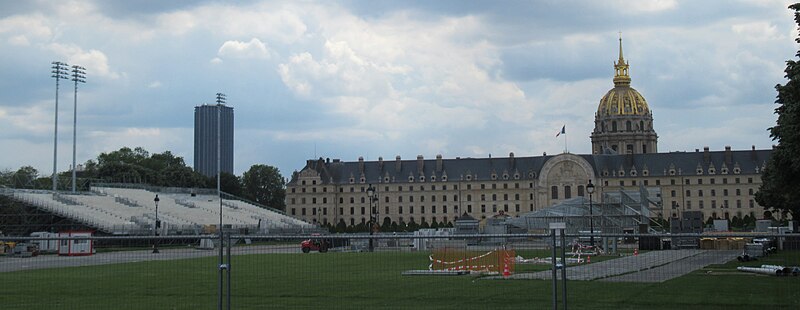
(528, 168)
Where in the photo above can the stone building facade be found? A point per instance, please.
(721, 184)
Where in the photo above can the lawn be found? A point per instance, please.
(374, 280)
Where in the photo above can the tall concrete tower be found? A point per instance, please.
(205, 138)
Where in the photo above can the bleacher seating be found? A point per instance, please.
(133, 211)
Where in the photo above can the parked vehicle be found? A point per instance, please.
(25, 250)
(321, 245)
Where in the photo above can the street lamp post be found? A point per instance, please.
(590, 190)
(372, 198)
(158, 225)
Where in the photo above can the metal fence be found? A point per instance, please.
(506, 271)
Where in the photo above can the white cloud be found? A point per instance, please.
(154, 84)
(649, 6)
(758, 31)
(255, 49)
(95, 62)
(26, 25)
(19, 40)
(177, 23)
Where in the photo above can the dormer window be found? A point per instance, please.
(469, 177)
(422, 178)
(494, 176)
(671, 172)
(362, 180)
(352, 180)
(516, 176)
(724, 170)
(646, 173)
(711, 171)
(633, 173)
(505, 176)
(444, 178)
(385, 179)
(699, 171)
(433, 178)
(410, 179)
(737, 170)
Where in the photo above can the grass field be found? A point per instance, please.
(374, 280)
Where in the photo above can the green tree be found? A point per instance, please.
(341, 227)
(5, 177)
(230, 184)
(265, 185)
(25, 177)
(780, 187)
(387, 224)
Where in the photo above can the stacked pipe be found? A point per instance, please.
(772, 270)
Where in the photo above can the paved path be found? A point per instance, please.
(653, 266)
(54, 261)
(677, 268)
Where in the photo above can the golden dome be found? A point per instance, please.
(622, 99)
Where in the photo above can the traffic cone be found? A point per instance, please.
(635, 251)
(589, 259)
(506, 272)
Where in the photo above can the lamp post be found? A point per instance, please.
(158, 225)
(590, 190)
(372, 198)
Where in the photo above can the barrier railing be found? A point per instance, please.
(404, 271)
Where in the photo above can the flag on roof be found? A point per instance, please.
(563, 131)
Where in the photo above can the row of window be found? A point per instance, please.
(567, 192)
(713, 192)
(410, 188)
(673, 182)
(400, 219)
(701, 204)
(363, 210)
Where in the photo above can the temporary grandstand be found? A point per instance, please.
(615, 213)
(123, 209)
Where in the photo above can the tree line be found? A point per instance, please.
(261, 183)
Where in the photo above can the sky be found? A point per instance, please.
(344, 79)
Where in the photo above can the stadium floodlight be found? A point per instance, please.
(78, 76)
(222, 265)
(59, 72)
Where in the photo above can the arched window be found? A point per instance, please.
(628, 125)
(641, 125)
(567, 192)
(554, 192)
(614, 126)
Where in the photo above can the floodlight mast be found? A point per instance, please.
(222, 265)
(59, 72)
(78, 76)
